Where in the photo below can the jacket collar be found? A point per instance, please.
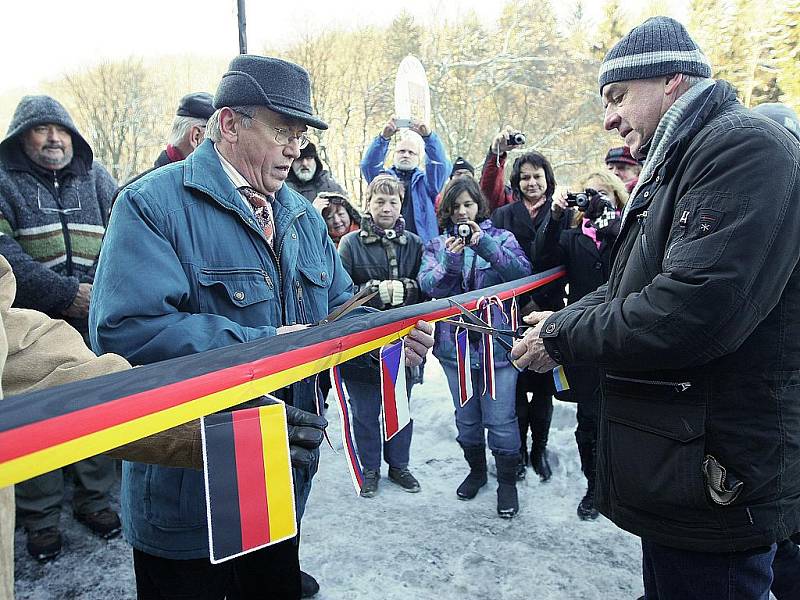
(203, 171)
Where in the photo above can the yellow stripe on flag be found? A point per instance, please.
(278, 472)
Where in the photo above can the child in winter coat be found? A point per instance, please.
(585, 251)
(451, 267)
(384, 257)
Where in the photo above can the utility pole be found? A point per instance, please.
(242, 27)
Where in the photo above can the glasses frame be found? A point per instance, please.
(59, 211)
(302, 138)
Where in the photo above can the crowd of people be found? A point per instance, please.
(674, 325)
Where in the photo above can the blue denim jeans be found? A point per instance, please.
(673, 574)
(498, 416)
(365, 403)
(786, 571)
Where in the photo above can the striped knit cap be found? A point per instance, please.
(659, 46)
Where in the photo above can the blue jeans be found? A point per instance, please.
(365, 403)
(786, 571)
(498, 416)
(673, 574)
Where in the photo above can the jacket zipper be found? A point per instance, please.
(680, 386)
(277, 257)
(64, 229)
(682, 231)
(300, 304)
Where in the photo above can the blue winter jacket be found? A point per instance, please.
(425, 186)
(185, 268)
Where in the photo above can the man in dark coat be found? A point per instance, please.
(696, 330)
(308, 178)
(54, 204)
(188, 127)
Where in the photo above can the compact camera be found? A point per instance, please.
(516, 139)
(464, 232)
(401, 123)
(580, 200)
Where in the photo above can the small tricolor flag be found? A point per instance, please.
(487, 304)
(463, 361)
(248, 475)
(560, 379)
(514, 324)
(394, 395)
(348, 439)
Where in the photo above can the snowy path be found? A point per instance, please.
(426, 546)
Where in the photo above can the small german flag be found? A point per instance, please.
(249, 486)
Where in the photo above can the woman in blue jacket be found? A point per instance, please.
(451, 267)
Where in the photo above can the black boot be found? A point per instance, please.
(476, 459)
(507, 501)
(586, 450)
(540, 429)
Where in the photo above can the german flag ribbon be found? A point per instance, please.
(47, 429)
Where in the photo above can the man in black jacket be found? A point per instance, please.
(696, 331)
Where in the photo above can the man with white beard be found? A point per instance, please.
(308, 178)
(421, 187)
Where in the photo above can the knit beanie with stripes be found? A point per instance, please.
(659, 46)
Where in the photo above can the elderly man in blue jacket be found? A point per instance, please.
(204, 253)
(421, 187)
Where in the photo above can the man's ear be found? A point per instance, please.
(229, 125)
(196, 136)
(672, 83)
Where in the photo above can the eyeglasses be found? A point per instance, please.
(70, 195)
(283, 137)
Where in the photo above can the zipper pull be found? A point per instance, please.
(684, 219)
(641, 217)
(682, 387)
(268, 279)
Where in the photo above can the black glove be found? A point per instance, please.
(305, 429)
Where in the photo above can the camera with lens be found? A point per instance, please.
(464, 232)
(516, 138)
(580, 200)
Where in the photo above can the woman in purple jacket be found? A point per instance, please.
(451, 267)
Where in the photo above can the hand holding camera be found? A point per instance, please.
(390, 128)
(467, 233)
(508, 138)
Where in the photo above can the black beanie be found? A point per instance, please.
(309, 151)
(460, 164)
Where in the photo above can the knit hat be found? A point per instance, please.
(460, 164)
(622, 154)
(309, 151)
(199, 105)
(659, 46)
(281, 86)
(782, 115)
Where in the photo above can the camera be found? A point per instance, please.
(516, 138)
(580, 200)
(464, 232)
(401, 123)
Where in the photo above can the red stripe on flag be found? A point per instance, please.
(253, 505)
(390, 401)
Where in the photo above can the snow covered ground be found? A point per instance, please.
(426, 546)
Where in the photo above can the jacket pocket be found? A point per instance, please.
(224, 291)
(174, 498)
(656, 444)
(311, 292)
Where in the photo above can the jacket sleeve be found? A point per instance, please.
(440, 272)
(714, 288)
(413, 293)
(548, 251)
(136, 314)
(374, 158)
(504, 254)
(492, 181)
(38, 287)
(437, 166)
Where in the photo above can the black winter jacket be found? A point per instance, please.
(588, 268)
(321, 182)
(530, 233)
(698, 333)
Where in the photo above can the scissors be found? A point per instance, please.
(354, 302)
(478, 325)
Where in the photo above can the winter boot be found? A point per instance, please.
(476, 459)
(540, 429)
(586, 450)
(507, 501)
